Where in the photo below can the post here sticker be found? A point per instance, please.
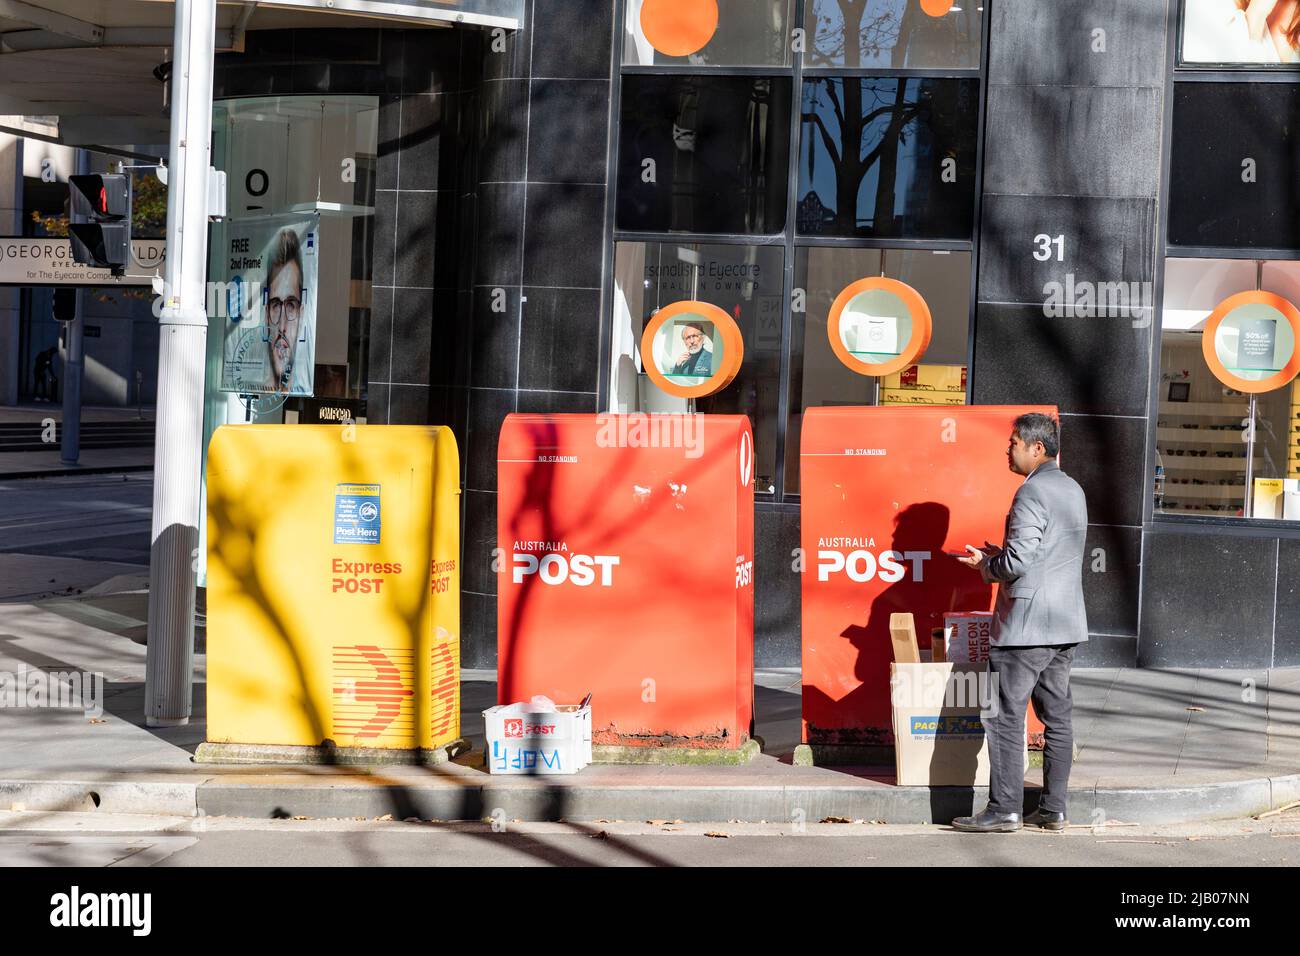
(356, 514)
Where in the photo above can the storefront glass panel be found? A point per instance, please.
(297, 155)
(1207, 443)
(704, 154)
(819, 378)
(745, 33)
(886, 157)
(1235, 148)
(743, 280)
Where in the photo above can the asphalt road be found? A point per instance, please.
(95, 517)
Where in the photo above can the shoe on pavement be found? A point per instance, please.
(1047, 819)
(987, 821)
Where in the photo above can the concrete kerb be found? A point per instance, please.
(210, 752)
(168, 799)
(676, 756)
(537, 800)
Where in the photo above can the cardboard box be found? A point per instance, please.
(1276, 498)
(943, 378)
(938, 734)
(550, 742)
(909, 396)
(1291, 500)
(966, 636)
(938, 645)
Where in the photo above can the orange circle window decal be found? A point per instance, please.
(936, 8)
(691, 349)
(879, 326)
(1250, 339)
(679, 27)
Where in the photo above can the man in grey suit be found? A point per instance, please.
(1038, 621)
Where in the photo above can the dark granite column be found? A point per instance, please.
(418, 341)
(539, 270)
(1072, 150)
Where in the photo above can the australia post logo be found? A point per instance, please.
(858, 559)
(746, 459)
(554, 564)
(518, 727)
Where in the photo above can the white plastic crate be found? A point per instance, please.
(537, 742)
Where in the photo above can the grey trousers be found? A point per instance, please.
(1044, 674)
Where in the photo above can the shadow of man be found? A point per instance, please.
(933, 583)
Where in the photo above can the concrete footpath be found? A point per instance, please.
(91, 460)
(1154, 747)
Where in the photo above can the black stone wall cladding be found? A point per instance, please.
(495, 148)
(1072, 149)
(535, 303)
(489, 246)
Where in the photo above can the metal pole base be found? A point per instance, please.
(166, 721)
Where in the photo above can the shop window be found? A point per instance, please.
(894, 34)
(1234, 152)
(887, 157)
(297, 156)
(702, 33)
(1240, 33)
(818, 378)
(743, 280)
(1214, 458)
(704, 154)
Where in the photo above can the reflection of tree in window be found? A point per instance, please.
(873, 156)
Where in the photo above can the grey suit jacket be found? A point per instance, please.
(1039, 571)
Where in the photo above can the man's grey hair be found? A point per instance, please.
(1035, 426)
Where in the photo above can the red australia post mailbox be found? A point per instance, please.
(626, 571)
(891, 497)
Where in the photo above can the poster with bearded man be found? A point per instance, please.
(270, 339)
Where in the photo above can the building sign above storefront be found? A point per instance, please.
(48, 261)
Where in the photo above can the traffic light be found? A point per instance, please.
(65, 303)
(101, 220)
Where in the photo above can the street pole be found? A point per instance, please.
(73, 363)
(169, 672)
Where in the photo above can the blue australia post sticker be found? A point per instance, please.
(356, 514)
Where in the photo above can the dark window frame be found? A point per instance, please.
(789, 238)
(814, 143)
(1182, 70)
(1175, 73)
(714, 73)
(1211, 82)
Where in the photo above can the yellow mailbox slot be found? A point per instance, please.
(333, 593)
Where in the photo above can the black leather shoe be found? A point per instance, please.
(1047, 819)
(987, 821)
